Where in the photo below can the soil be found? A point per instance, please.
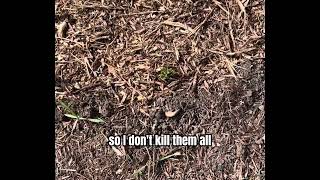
(108, 61)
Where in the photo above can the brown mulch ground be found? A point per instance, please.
(109, 57)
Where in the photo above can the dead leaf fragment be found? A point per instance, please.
(171, 113)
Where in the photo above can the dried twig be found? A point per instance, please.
(100, 7)
(242, 8)
(231, 38)
(139, 13)
(178, 24)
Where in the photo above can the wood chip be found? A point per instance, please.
(119, 152)
(142, 67)
(62, 29)
(119, 171)
(112, 70)
(124, 96)
(144, 112)
(176, 52)
(206, 85)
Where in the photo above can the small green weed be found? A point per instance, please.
(166, 73)
(71, 114)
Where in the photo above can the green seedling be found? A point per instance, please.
(67, 108)
(71, 114)
(166, 73)
(95, 120)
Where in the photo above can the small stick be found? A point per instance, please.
(139, 13)
(100, 7)
(231, 38)
(178, 24)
